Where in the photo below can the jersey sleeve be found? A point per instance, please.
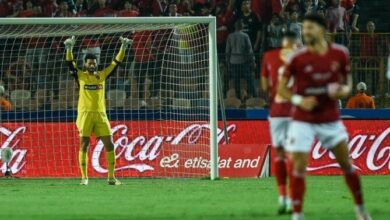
(74, 70)
(110, 69)
(289, 69)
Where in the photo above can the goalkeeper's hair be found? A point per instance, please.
(90, 56)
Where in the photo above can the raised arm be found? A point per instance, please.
(125, 42)
(69, 44)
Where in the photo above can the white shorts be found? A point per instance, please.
(278, 129)
(301, 135)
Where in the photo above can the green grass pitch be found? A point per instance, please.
(174, 199)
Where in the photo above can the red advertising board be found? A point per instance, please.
(178, 149)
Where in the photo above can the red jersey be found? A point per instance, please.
(312, 73)
(272, 69)
(131, 13)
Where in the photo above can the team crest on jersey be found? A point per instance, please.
(97, 77)
(334, 66)
(93, 87)
(308, 69)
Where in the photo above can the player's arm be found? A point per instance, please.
(343, 88)
(306, 103)
(125, 42)
(264, 75)
(69, 44)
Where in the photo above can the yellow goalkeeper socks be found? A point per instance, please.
(110, 157)
(83, 162)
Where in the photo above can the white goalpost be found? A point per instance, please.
(162, 100)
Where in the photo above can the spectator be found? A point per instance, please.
(274, 32)
(361, 100)
(49, 8)
(321, 12)
(173, 11)
(5, 105)
(224, 18)
(27, 10)
(104, 10)
(80, 8)
(159, 7)
(336, 16)
(128, 11)
(5, 9)
(251, 24)
(19, 75)
(369, 42)
(184, 7)
(309, 7)
(295, 26)
(240, 56)
(63, 10)
(321, 5)
(144, 59)
(353, 11)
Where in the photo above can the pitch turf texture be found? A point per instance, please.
(326, 198)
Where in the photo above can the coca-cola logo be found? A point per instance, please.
(150, 147)
(368, 149)
(12, 140)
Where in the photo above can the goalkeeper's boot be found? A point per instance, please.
(282, 208)
(362, 214)
(84, 182)
(114, 182)
(297, 216)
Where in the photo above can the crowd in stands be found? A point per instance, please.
(245, 29)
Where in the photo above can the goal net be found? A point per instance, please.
(161, 101)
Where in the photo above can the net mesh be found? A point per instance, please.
(157, 99)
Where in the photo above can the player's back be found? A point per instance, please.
(272, 69)
(313, 73)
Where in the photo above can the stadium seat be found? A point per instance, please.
(21, 98)
(181, 104)
(67, 85)
(116, 98)
(231, 100)
(255, 103)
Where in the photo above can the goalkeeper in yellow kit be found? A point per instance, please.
(91, 111)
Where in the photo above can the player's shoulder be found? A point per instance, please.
(271, 53)
(297, 54)
(339, 48)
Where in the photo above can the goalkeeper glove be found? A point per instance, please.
(69, 43)
(125, 42)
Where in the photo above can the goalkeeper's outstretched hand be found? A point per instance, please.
(125, 42)
(69, 43)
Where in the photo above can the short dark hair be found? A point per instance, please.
(90, 56)
(290, 34)
(316, 18)
(239, 24)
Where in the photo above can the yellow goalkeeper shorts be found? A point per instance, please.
(96, 122)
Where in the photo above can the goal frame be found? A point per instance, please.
(213, 62)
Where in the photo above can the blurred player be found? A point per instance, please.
(272, 69)
(321, 76)
(91, 112)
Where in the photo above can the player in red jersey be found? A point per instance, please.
(279, 115)
(321, 77)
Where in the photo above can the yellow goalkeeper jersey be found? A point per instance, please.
(92, 87)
